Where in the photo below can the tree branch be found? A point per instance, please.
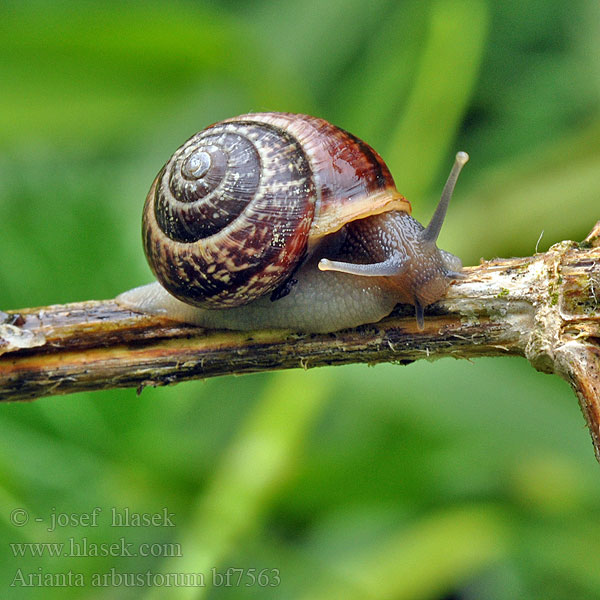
(544, 307)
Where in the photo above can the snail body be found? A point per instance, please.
(276, 220)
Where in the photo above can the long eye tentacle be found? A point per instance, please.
(432, 230)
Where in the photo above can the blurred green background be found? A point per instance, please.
(446, 480)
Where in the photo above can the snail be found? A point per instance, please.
(280, 220)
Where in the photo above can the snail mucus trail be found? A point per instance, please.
(277, 220)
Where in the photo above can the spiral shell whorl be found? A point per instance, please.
(227, 218)
(207, 184)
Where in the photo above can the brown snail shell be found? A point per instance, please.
(240, 205)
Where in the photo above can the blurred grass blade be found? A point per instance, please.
(253, 468)
(315, 39)
(440, 95)
(369, 97)
(430, 560)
